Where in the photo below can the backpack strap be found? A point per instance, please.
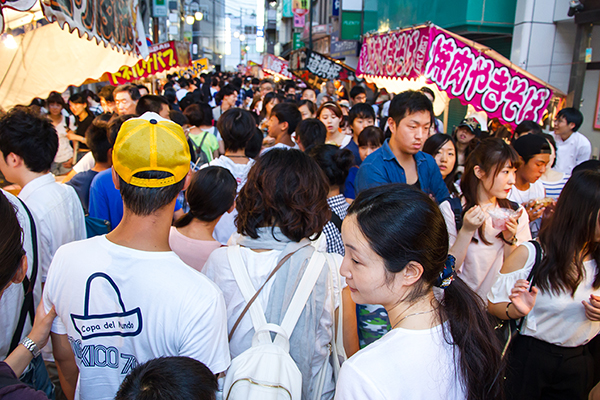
(336, 220)
(302, 293)
(456, 206)
(28, 306)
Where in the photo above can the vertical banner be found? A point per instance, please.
(287, 9)
(300, 9)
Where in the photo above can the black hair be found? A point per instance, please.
(107, 93)
(287, 112)
(255, 81)
(207, 116)
(572, 116)
(114, 125)
(170, 95)
(527, 126)
(169, 378)
(29, 136)
(183, 83)
(371, 136)
(254, 145)
(432, 145)
(145, 201)
(226, 90)
(267, 99)
(402, 225)
(211, 193)
(55, 97)
(150, 102)
(96, 137)
(237, 127)
(407, 103)
(334, 162)
(78, 98)
(312, 107)
(195, 114)
(11, 244)
(361, 110)
(133, 91)
(589, 165)
(289, 85)
(311, 132)
(178, 118)
(356, 90)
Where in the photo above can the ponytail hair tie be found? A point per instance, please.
(447, 275)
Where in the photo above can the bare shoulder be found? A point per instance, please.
(516, 260)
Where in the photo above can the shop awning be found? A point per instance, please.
(276, 66)
(315, 68)
(459, 67)
(50, 58)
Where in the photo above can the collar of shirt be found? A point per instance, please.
(35, 185)
(388, 155)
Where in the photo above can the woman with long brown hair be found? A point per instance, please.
(560, 302)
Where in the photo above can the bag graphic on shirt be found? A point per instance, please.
(125, 323)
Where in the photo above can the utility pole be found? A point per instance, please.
(310, 25)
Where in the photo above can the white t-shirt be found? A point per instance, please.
(557, 319)
(12, 297)
(259, 267)
(121, 307)
(536, 191)
(226, 225)
(482, 262)
(86, 163)
(403, 364)
(65, 151)
(571, 152)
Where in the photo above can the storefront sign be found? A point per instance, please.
(297, 41)
(287, 9)
(300, 9)
(457, 68)
(351, 25)
(320, 66)
(344, 48)
(197, 67)
(276, 66)
(116, 23)
(163, 57)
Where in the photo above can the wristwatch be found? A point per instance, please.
(512, 241)
(31, 346)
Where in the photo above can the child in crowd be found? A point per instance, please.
(361, 115)
(482, 243)
(443, 149)
(528, 190)
(310, 132)
(369, 140)
(440, 347)
(239, 133)
(133, 298)
(211, 194)
(169, 378)
(572, 148)
(282, 124)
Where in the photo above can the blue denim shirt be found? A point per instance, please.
(381, 168)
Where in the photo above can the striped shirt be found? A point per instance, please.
(553, 189)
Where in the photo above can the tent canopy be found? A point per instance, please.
(51, 59)
(459, 67)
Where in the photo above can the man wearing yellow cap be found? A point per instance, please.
(125, 298)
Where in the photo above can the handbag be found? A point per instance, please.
(506, 330)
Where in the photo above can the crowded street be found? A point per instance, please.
(334, 199)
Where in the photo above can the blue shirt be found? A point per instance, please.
(349, 188)
(81, 183)
(353, 147)
(381, 168)
(105, 199)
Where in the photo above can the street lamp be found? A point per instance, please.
(242, 37)
(198, 15)
(236, 34)
(189, 19)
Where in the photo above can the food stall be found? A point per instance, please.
(315, 68)
(455, 67)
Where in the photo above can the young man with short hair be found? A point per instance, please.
(358, 94)
(309, 94)
(284, 119)
(133, 299)
(360, 116)
(534, 151)
(400, 160)
(572, 148)
(126, 98)
(153, 103)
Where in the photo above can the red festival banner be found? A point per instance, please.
(163, 57)
(463, 69)
(276, 66)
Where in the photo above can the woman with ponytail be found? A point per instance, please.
(441, 345)
(211, 194)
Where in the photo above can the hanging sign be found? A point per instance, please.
(276, 66)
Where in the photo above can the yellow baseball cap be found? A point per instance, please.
(151, 143)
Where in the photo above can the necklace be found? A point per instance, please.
(412, 315)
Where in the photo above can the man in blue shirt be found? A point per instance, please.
(400, 160)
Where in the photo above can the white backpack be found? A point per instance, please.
(266, 371)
